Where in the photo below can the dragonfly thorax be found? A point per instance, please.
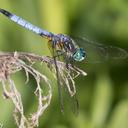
(66, 41)
(69, 46)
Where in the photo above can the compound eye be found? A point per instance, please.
(79, 55)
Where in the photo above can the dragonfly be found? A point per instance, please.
(72, 49)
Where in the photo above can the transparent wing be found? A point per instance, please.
(97, 52)
(59, 83)
(63, 80)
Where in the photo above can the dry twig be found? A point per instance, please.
(12, 62)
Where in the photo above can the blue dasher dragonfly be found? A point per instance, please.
(63, 45)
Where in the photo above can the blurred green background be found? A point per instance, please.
(103, 94)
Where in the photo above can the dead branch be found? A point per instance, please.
(13, 62)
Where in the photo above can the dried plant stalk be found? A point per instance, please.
(13, 62)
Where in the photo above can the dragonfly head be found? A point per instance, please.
(79, 54)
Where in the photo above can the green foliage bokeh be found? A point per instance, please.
(103, 94)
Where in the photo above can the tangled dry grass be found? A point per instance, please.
(13, 62)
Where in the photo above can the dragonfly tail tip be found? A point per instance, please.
(6, 13)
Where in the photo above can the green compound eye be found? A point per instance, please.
(79, 55)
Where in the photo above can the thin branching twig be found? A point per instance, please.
(13, 62)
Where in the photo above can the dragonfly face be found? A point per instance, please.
(79, 55)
